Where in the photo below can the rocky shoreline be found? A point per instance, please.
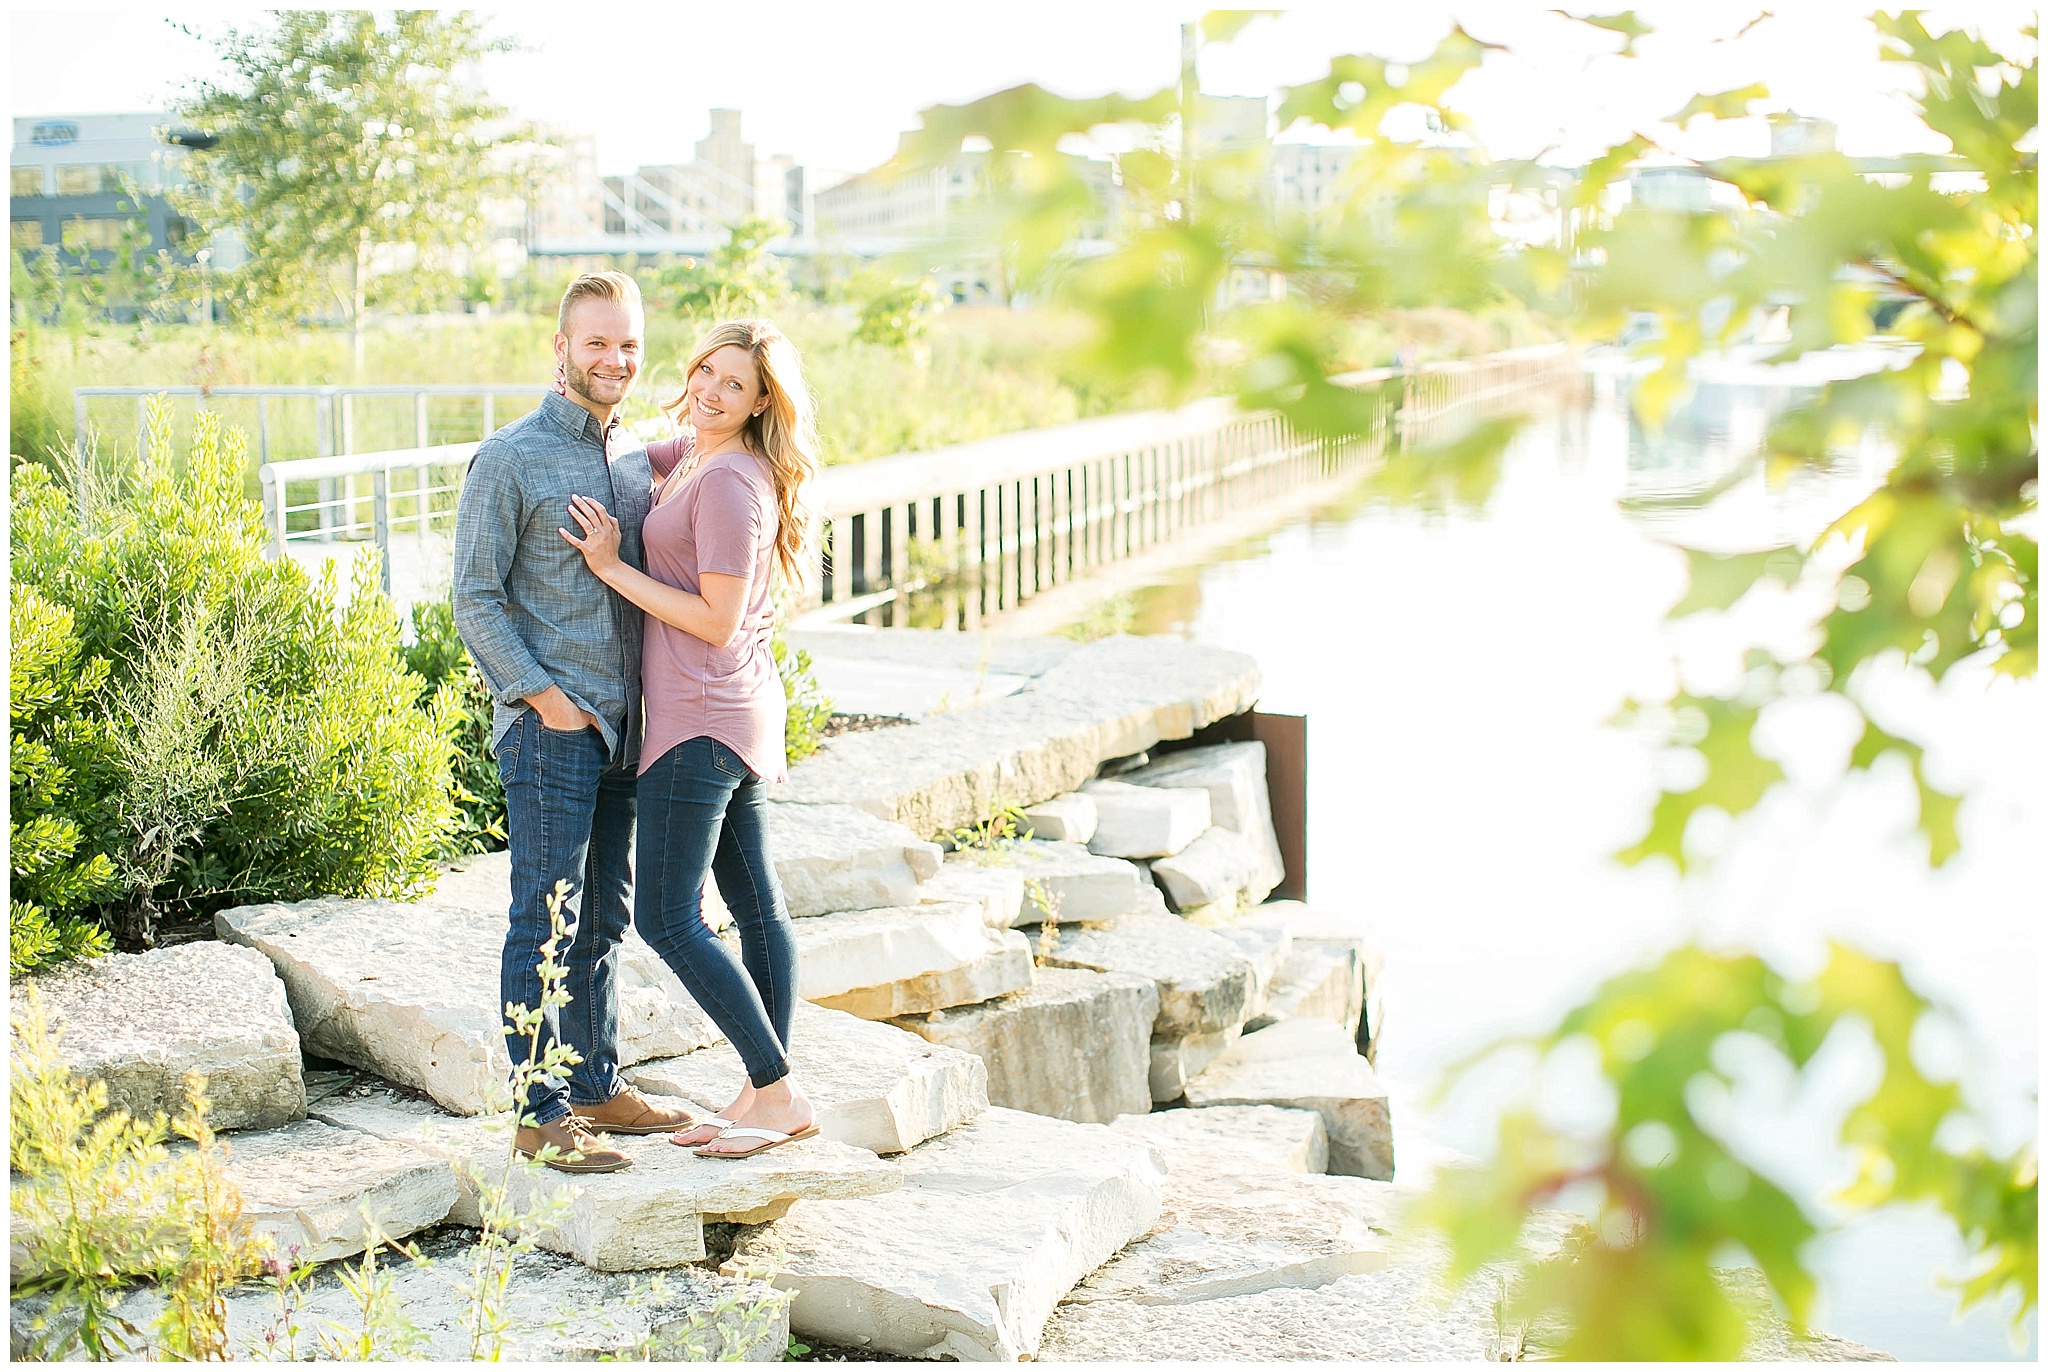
(1083, 1096)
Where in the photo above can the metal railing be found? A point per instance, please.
(1009, 515)
(1004, 518)
(323, 421)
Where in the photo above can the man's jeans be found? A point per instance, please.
(705, 811)
(568, 817)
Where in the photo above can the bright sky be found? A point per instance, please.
(835, 84)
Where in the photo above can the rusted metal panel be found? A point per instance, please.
(1286, 740)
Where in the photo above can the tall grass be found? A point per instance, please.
(980, 371)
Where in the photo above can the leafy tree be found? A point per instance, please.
(1938, 566)
(894, 317)
(343, 134)
(739, 277)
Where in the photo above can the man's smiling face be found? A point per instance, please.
(600, 353)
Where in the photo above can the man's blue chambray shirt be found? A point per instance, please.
(528, 608)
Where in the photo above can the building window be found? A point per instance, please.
(93, 235)
(25, 181)
(96, 179)
(26, 234)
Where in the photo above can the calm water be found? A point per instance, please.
(1457, 671)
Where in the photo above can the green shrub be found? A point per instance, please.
(476, 789)
(59, 797)
(809, 707)
(256, 743)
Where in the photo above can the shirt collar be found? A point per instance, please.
(578, 422)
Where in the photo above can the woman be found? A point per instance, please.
(727, 512)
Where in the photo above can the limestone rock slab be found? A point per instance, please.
(1400, 1313)
(827, 857)
(649, 1215)
(1106, 699)
(1204, 982)
(1228, 1139)
(1144, 821)
(1217, 867)
(837, 857)
(1353, 996)
(1309, 1064)
(1003, 967)
(1234, 775)
(1089, 888)
(309, 1185)
(997, 887)
(1176, 1061)
(1316, 983)
(874, 1086)
(1070, 818)
(140, 1021)
(1236, 1233)
(558, 1311)
(1266, 946)
(1073, 1046)
(483, 882)
(851, 949)
(410, 992)
(994, 1223)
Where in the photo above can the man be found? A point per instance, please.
(561, 654)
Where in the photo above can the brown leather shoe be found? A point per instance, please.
(629, 1112)
(577, 1150)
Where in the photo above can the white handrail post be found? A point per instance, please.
(380, 520)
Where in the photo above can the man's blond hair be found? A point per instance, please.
(616, 287)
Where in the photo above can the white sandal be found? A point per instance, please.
(770, 1138)
(718, 1121)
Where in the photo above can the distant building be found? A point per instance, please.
(1686, 188)
(1794, 135)
(1229, 123)
(717, 187)
(1307, 179)
(86, 183)
(931, 202)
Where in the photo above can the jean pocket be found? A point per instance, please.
(728, 762)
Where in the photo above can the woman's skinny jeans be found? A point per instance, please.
(702, 809)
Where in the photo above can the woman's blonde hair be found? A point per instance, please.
(786, 433)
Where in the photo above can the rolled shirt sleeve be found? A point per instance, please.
(488, 519)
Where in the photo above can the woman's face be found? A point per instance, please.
(725, 391)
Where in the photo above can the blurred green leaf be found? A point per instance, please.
(1728, 104)
(1736, 779)
(1625, 23)
(1220, 26)
(1637, 1281)
(1718, 581)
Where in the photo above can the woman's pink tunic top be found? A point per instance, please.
(721, 519)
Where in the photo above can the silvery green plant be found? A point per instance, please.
(509, 1227)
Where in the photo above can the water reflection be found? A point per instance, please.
(1459, 671)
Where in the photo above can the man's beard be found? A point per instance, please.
(580, 381)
